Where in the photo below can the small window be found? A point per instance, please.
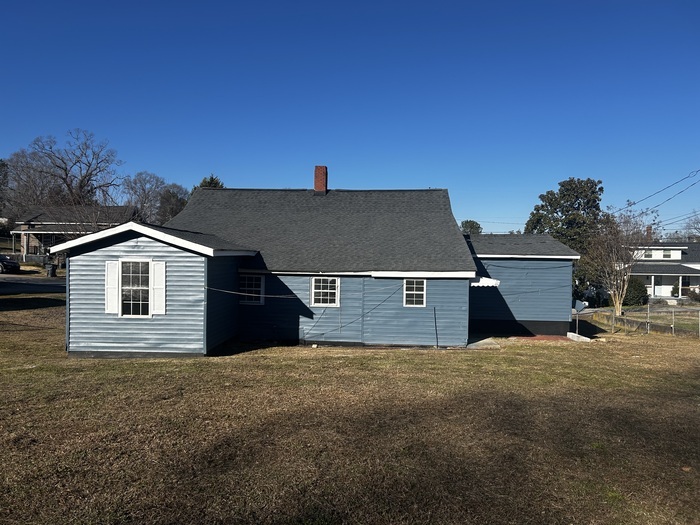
(414, 292)
(135, 288)
(647, 254)
(667, 254)
(325, 291)
(252, 289)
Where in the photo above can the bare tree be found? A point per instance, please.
(691, 227)
(81, 173)
(143, 191)
(26, 183)
(173, 199)
(614, 250)
(65, 189)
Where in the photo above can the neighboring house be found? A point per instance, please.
(535, 288)
(331, 266)
(661, 266)
(40, 228)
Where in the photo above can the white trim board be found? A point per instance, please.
(560, 257)
(148, 232)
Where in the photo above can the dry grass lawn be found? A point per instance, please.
(534, 432)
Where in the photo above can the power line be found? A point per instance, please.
(635, 203)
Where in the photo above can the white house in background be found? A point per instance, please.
(664, 265)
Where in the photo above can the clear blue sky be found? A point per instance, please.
(496, 101)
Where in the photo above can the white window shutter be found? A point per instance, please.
(112, 287)
(158, 290)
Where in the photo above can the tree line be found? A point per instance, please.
(83, 173)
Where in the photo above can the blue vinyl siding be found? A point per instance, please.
(333, 324)
(530, 290)
(279, 318)
(371, 311)
(444, 321)
(180, 330)
(222, 304)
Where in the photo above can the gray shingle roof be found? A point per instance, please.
(341, 231)
(533, 245)
(78, 214)
(663, 268)
(204, 239)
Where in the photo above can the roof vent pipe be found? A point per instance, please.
(321, 180)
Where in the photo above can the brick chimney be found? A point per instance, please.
(321, 180)
(649, 234)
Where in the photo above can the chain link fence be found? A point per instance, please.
(680, 320)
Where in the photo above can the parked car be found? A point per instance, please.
(8, 265)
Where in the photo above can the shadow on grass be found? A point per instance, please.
(8, 304)
(234, 347)
(287, 446)
(587, 328)
(484, 458)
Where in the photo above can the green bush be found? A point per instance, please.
(636, 293)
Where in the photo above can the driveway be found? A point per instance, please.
(30, 283)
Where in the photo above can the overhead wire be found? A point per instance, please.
(632, 204)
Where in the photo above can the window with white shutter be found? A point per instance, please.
(135, 288)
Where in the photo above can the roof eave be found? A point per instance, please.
(384, 274)
(495, 256)
(150, 232)
(230, 253)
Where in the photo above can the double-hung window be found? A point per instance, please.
(135, 288)
(414, 292)
(325, 291)
(252, 289)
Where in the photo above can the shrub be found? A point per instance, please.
(636, 293)
(694, 295)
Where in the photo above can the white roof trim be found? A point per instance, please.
(384, 274)
(149, 232)
(59, 232)
(485, 281)
(567, 257)
(659, 247)
(67, 223)
(425, 275)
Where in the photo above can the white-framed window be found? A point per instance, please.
(252, 289)
(648, 254)
(325, 291)
(667, 254)
(135, 287)
(414, 292)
